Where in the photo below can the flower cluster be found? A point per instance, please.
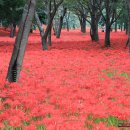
(58, 89)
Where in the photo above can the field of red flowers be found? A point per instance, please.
(76, 85)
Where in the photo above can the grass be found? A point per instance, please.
(7, 127)
(109, 121)
(40, 127)
(127, 76)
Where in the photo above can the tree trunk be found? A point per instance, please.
(61, 23)
(49, 37)
(67, 26)
(44, 42)
(49, 19)
(83, 24)
(13, 30)
(115, 26)
(67, 21)
(124, 27)
(94, 29)
(15, 65)
(54, 30)
(128, 3)
(60, 27)
(31, 30)
(108, 24)
(107, 36)
(38, 22)
(49, 25)
(121, 27)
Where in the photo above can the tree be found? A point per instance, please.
(79, 9)
(10, 13)
(52, 6)
(62, 15)
(93, 7)
(15, 65)
(128, 4)
(112, 12)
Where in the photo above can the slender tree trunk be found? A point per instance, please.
(127, 27)
(121, 27)
(67, 21)
(45, 36)
(115, 26)
(15, 65)
(42, 33)
(107, 36)
(124, 26)
(49, 25)
(128, 3)
(44, 43)
(67, 24)
(83, 24)
(49, 19)
(60, 27)
(61, 23)
(94, 29)
(108, 24)
(13, 30)
(49, 37)
(39, 24)
(54, 29)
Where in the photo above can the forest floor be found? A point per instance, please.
(76, 85)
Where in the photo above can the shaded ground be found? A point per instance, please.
(62, 87)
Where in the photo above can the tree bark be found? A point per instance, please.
(49, 18)
(67, 21)
(60, 27)
(107, 36)
(83, 24)
(128, 4)
(39, 24)
(115, 26)
(127, 27)
(94, 29)
(49, 37)
(15, 65)
(124, 28)
(13, 30)
(108, 24)
(121, 27)
(61, 23)
(49, 25)
(54, 28)
(50, 21)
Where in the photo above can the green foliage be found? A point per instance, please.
(109, 121)
(11, 10)
(124, 74)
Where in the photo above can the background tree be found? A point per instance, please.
(21, 42)
(63, 12)
(78, 8)
(95, 14)
(10, 13)
(111, 13)
(128, 5)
